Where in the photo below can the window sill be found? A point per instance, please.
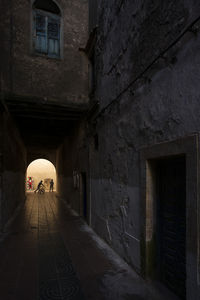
(35, 54)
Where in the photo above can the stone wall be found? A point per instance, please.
(147, 82)
(34, 153)
(72, 158)
(26, 74)
(13, 166)
(132, 35)
(1, 162)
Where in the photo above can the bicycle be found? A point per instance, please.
(41, 190)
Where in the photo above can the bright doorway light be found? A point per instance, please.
(40, 169)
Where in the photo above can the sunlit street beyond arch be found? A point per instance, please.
(40, 169)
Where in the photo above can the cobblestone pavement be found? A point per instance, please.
(50, 253)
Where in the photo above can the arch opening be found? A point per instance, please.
(40, 169)
(47, 5)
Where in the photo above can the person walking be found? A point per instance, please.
(51, 186)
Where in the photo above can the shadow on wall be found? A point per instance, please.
(40, 169)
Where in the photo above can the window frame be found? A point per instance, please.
(47, 15)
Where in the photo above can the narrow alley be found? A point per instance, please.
(100, 114)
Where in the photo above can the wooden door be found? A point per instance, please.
(171, 224)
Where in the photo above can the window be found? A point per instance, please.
(46, 31)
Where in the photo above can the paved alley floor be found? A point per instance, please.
(50, 253)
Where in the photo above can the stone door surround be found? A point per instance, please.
(189, 147)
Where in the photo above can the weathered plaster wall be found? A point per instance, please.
(131, 35)
(13, 163)
(147, 81)
(27, 74)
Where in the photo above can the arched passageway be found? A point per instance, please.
(40, 169)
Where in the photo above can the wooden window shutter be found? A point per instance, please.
(53, 36)
(41, 33)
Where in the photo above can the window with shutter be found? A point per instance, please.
(41, 38)
(46, 35)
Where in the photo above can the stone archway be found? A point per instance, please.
(40, 169)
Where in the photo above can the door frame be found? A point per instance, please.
(185, 146)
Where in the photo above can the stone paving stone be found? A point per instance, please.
(35, 264)
(50, 254)
(70, 289)
(54, 260)
(49, 290)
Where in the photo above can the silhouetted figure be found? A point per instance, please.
(51, 186)
(40, 184)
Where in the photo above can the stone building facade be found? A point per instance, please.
(29, 73)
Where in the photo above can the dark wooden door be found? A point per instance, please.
(171, 224)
